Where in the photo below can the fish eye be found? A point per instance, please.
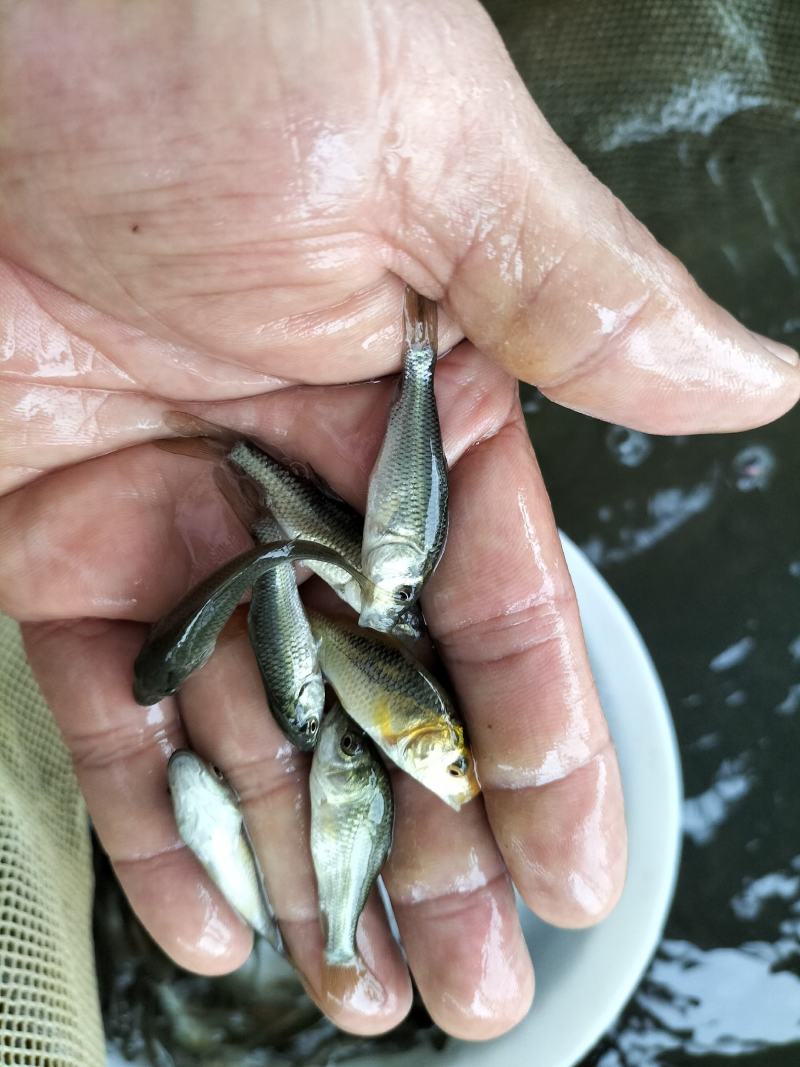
(311, 727)
(349, 744)
(458, 768)
(404, 594)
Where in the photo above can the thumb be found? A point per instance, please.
(547, 272)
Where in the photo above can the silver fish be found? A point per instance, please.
(302, 503)
(351, 829)
(299, 503)
(285, 650)
(405, 527)
(211, 826)
(184, 639)
(399, 704)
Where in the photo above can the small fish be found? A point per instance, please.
(399, 704)
(303, 504)
(285, 648)
(352, 813)
(211, 826)
(406, 522)
(183, 640)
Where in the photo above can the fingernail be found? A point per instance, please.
(788, 355)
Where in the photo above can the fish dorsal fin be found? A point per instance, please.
(241, 494)
(319, 483)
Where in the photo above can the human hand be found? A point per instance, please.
(215, 207)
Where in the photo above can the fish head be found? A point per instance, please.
(163, 665)
(410, 622)
(439, 757)
(308, 713)
(389, 603)
(153, 678)
(343, 747)
(202, 800)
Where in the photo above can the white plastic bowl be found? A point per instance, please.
(583, 979)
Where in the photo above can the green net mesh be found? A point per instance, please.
(689, 111)
(48, 997)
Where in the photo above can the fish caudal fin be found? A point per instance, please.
(194, 447)
(184, 424)
(195, 437)
(419, 321)
(338, 980)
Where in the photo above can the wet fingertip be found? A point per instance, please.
(356, 999)
(783, 352)
(368, 997)
(487, 1017)
(209, 956)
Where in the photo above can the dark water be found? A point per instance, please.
(699, 537)
(690, 111)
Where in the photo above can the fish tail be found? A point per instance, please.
(196, 437)
(184, 424)
(338, 979)
(194, 447)
(420, 324)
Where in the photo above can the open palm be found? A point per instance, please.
(215, 207)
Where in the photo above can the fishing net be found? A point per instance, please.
(48, 996)
(689, 111)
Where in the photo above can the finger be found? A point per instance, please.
(75, 383)
(339, 431)
(454, 904)
(455, 909)
(502, 609)
(122, 536)
(120, 752)
(546, 271)
(227, 718)
(125, 535)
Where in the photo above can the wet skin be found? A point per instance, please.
(202, 206)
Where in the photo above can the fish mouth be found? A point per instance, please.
(147, 696)
(178, 756)
(372, 618)
(144, 696)
(384, 614)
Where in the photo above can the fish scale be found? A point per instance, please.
(405, 528)
(184, 639)
(211, 825)
(285, 649)
(399, 704)
(352, 813)
(302, 509)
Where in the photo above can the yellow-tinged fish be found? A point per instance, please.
(399, 704)
(351, 829)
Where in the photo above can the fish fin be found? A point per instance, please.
(420, 321)
(304, 470)
(241, 495)
(194, 447)
(184, 424)
(339, 979)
